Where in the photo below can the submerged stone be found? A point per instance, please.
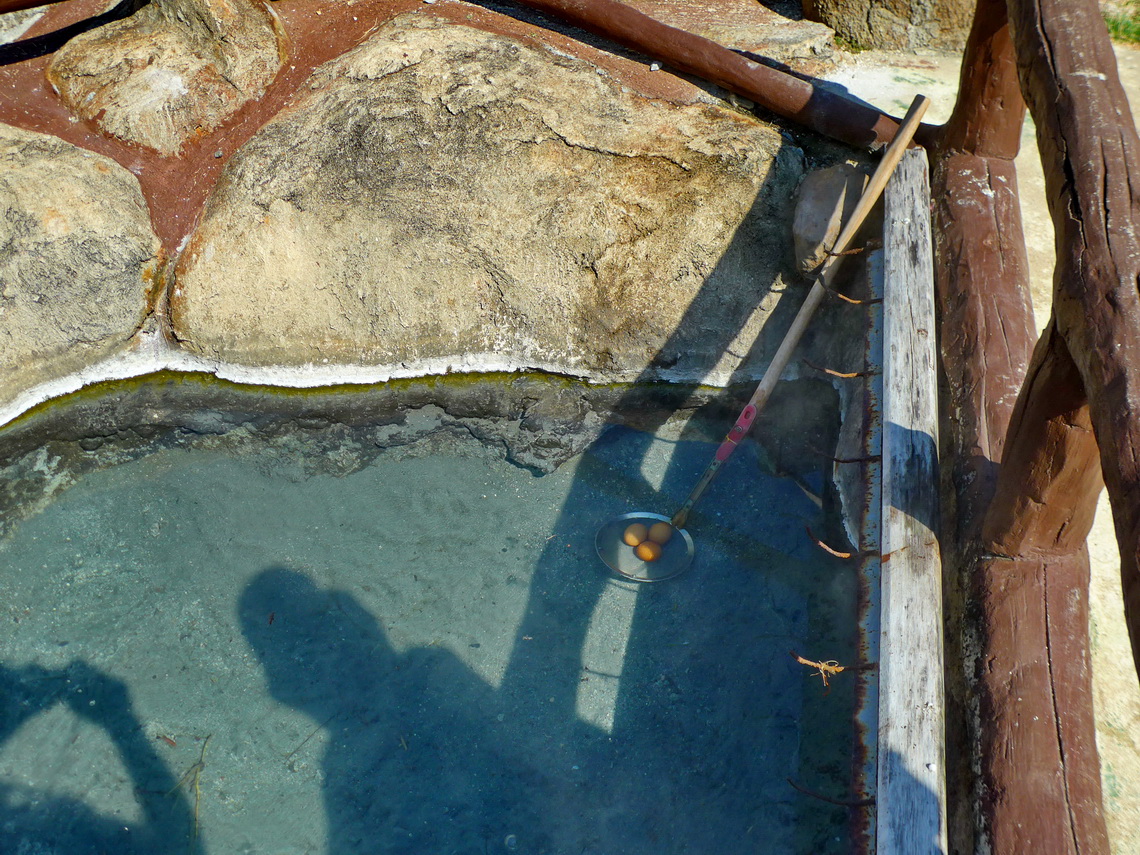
(443, 195)
(77, 258)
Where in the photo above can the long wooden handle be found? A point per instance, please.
(871, 194)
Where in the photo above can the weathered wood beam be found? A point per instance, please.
(986, 334)
(911, 794)
(1039, 764)
(1091, 157)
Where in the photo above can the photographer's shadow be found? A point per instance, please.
(416, 758)
(39, 821)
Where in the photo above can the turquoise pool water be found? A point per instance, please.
(241, 650)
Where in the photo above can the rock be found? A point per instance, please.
(825, 200)
(14, 24)
(896, 24)
(746, 25)
(171, 72)
(78, 259)
(446, 197)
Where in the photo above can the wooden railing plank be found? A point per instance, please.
(911, 798)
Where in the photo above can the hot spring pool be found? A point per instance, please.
(252, 649)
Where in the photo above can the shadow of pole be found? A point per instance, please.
(552, 585)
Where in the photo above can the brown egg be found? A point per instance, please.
(648, 551)
(661, 532)
(635, 534)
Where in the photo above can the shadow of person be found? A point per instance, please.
(34, 821)
(421, 755)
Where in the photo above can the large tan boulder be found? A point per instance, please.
(78, 259)
(171, 72)
(443, 196)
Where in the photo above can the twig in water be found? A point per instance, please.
(194, 775)
(312, 733)
(853, 300)
(829, 550)
(870, 245)
(870, 458)
(843, 375)
(829, 667)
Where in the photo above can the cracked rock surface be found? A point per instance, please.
(77, 258)
(442, 191)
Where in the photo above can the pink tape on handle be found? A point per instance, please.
(743, 423)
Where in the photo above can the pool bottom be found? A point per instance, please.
(423, 655)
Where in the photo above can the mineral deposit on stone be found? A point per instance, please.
(174, 70)
(445, 194)
(77, 258)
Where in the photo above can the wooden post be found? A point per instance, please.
(1090, 152)
(1039, 764)
(986, 335)
(911, 796)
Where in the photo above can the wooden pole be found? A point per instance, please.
(1039, 764)
(1029, 701)
(1090, 152)
(20, 5)
(814, 107)
(986, 335)
(1039, 769)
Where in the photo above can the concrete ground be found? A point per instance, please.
(890, 81)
